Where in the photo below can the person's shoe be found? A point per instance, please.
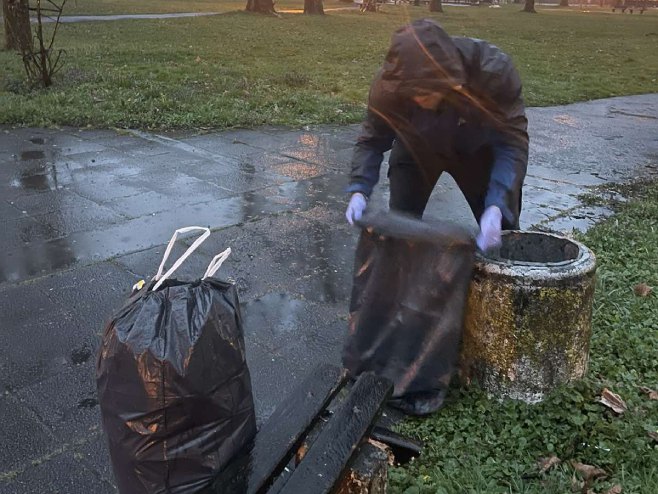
(421, 403)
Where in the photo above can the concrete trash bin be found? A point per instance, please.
(529, 316)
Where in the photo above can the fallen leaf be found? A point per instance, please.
(545, 464)
(642, 290)
(615, 489)
(651, 393)
(301, 453)
(653, 435)
(588, 472)
(612, 401)
(576, 485)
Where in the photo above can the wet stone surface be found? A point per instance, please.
(87, 213)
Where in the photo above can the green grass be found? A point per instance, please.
(104, 7)
(240, 69)
(475, 445)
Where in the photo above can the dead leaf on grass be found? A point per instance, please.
(612, 401)
(642, 290)
(615, 489)
(651, 393)
(588, 472)
(577, 485)
(545, 464)
(653, 435)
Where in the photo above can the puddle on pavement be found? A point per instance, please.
(275, 313)
(37, 179)
(321, 263)
(302, 194)
(36, 258)
(88, 403)
(81, 355)
(32, 155)
(298, 170)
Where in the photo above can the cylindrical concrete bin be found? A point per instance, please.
(529, 316)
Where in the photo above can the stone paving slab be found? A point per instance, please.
(87, 213)
(40, 338)
(25, 439)
(60, 473)
(94, 455)
(66, 403)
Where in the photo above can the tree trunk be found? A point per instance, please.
(261, 6)
(436, 6)
(529, 7)
(18, 32)
(313, 7)
(564, 3)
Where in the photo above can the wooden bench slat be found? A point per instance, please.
(278, 438)
(327, 459)
(404, 449)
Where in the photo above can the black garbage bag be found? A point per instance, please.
(173, 383)
(410, 286)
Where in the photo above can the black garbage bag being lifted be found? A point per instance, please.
(411, 280)
(173, 383)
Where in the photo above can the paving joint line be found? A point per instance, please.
(629, 114)
(177, 144)
(9, 475)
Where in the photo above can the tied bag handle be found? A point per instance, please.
(162, 277)
(216, 263)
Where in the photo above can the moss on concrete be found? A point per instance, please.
(523, 339)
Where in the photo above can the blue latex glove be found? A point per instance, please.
(490, 229)
(356, 207)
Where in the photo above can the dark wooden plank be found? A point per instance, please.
(307, 443)
(279, 437)
(404, 449)
(329, 455)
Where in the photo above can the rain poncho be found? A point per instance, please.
(482, 108)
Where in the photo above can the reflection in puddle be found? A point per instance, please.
(37, 179)
(565, 119)
(309, 139)
(298, 170)
(275, 313)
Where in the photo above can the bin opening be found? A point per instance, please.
(535, 247)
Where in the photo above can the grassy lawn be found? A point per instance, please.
(102, 7)
(240, 69)
(475, 445)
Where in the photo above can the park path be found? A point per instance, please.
(122, 17)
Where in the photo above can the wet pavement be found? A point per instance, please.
(86, 213)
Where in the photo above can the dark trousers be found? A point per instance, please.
(412, 185)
